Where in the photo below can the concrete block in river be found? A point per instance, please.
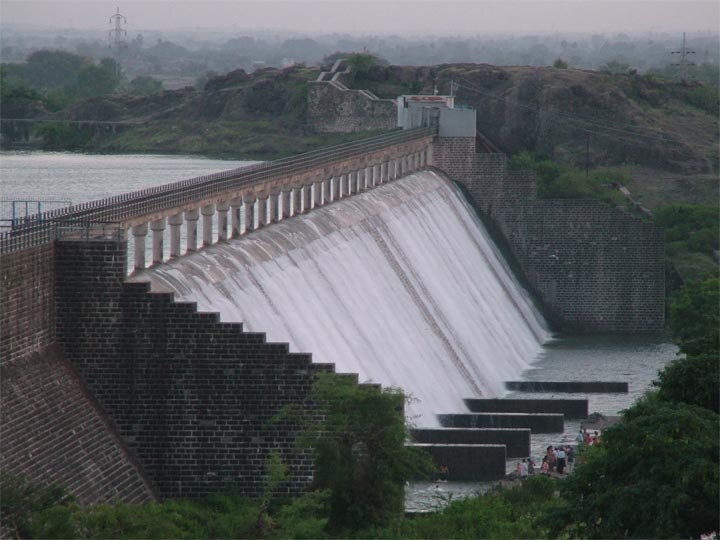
(568, 386)
(538, 423)
(468, 462)
(571, 408)
(516, 441)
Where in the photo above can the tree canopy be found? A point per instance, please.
(360, 452)
(694, 317)
(655, 475)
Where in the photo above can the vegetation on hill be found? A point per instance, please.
(56, 79)
(692, 238)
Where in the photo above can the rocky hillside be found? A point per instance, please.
(629, 119)
(258, 116)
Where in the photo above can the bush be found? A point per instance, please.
(361, 64)
(560, 64)
(694, 318)
(20, 500)
(655, 475)
(696, 225)
(705, 97)
(558, 181)
(694, 380)
(145, 86)
(512, 513)
(360, 453)
(58, 136)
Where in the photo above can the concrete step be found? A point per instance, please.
(579, 387)
(468, 462)
(537, 423)
(516, 441)
(571, 408)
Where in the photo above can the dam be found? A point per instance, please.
(401, 285)
(361, 259)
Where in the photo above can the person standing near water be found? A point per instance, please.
(560, 456)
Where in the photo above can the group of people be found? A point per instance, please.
(585, 438)
(557, 460)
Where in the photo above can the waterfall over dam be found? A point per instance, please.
(400, 284)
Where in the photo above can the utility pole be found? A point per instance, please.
(118, 33)
(683, 52)
(117, 37)
(587, 153)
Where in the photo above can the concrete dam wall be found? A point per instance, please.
(401, 285)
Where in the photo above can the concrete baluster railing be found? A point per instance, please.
(236, 228)
(222, 211)
(191, 226)
(175, 221)
(158, 230)
(250, 205)
(254, 210)
(207, 211)
(139, 233)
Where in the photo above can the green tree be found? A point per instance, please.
(13, 87)
(20, 500)
(47, 69)
(560, 64)
(112, 65)
(360, 452)
(58, 136)
(145, 86)
(697, 226)
(694, 317)
(655, 475)
(93, 81)
(56, 100)
(694, 380)
(361, 64)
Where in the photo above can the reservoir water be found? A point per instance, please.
(77, 178)
(414, 293)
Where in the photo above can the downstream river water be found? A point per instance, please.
(80, 177)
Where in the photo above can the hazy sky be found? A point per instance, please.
(402, 16)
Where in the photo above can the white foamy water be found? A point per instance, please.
(400, 284)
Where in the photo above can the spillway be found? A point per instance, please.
(400, 284)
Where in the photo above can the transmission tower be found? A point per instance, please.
(117, 34)
(683, 52)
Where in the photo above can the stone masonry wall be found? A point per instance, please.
(27, 301)
(193, 397)
(331, 108)
(50, 428)
(593, 267)
(52, 431)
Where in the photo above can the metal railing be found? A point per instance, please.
(43, 233)
(38, 228)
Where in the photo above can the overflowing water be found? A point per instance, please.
(400, 284)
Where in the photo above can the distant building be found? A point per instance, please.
(422, 111)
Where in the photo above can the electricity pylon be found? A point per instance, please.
(683, 52)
